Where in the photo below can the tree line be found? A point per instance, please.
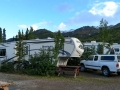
(2, 35)
(28, 35)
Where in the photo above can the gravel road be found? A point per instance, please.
(91, 80)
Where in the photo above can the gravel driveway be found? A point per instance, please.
(85, 81)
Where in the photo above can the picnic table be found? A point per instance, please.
(4, 85)
(68, 70)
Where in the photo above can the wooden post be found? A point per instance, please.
(4, 85)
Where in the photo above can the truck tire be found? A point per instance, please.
(118, 73)
(105, 71)
(82, 69)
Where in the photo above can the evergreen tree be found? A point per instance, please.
(27, 34)
(22, 35)
(104, 31)
(59, 43)
(4, 35)
(104, 35)
(16, 38)
(31, 36)
(0, 35)
(20, 49)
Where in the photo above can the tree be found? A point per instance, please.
(27, 34)
(104, 31)
(20, 49)
(59, 43)
(22, 35)
(100, 49)
(104, 35)
(31, 35)
(0, 34)
(4, 35)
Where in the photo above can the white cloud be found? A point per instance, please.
(36, 26)
(105, 9)
(61, 27)
(23, 26)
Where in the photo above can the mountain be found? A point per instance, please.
(85, 33)
(43, 33)
(82, 32)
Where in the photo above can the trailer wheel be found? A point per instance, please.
(82, 69)
(105, 71)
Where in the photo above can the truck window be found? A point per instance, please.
(111, 58)
(95, 58)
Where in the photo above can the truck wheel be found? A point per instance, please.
(118, 73)
(82, 69)
(105, 71)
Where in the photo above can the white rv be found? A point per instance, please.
(115, 47)
(72, 48)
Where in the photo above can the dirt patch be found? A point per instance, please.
(85, 81)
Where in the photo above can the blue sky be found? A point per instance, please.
(56, 14)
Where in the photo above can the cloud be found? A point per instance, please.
(64, 7)
(36, 26)
(61, 27)
(93, 16)
(23, 26)
(104, 8)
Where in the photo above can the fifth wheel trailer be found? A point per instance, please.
(72, 48)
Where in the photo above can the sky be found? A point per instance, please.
(56, 15)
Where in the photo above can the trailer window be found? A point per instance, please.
(116, 49)
(2, 52)
(26, 49)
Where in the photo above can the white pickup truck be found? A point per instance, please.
(106, 63)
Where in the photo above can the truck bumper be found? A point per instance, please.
(118, 70)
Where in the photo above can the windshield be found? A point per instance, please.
(90, 58)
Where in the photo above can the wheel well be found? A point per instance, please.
(104, 67)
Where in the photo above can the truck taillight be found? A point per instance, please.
(117, 65)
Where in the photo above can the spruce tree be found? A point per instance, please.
(20, 48)
(0, 34)
(31, 35)
(4, 35)
(59, 43)
(27, 34)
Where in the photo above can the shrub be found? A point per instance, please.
(7, 67)
(41, 64)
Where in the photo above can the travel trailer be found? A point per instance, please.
(72, 48)
(113, 49)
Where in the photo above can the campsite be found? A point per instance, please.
(85, 81)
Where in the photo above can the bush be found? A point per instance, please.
(7, 67)
(41, 64)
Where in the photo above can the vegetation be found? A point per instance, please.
(20, 49)
(41, 63)
(59, 43)
(2, 35)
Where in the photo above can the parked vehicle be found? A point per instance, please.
(106, 63)
(72, 48)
